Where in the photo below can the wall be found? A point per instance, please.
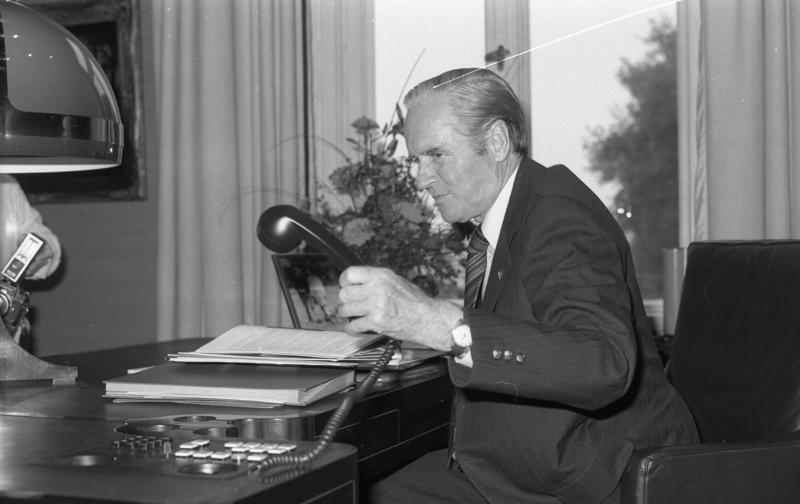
(104, 294)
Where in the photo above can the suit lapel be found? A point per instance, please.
(528, 175)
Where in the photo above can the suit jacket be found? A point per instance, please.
(566, 379)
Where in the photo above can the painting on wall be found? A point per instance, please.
(110, 30)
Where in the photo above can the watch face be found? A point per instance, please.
(462, 335)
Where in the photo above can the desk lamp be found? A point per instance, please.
(57, 113)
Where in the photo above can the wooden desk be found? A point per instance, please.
(397, 422)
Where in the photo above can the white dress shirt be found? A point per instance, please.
(490, 226)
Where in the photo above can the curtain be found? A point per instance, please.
(507, 23)
(341, 74)
(229, 86)
(739, 112)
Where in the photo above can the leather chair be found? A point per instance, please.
(736, 362)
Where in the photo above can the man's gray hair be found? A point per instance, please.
(477, 97)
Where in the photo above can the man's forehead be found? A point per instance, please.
(427, 135)
(427, 122)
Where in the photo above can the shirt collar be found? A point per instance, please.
(493, 220)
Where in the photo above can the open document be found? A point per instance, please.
(250, 344)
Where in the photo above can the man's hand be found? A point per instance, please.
(376, 299)
(44, 256)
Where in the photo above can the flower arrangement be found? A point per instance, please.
(387, 220)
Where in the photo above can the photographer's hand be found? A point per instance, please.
(39, 263)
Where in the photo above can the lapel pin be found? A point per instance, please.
(499, 275)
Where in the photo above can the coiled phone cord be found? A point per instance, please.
(338, 416)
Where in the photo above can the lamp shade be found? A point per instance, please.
(57, 108)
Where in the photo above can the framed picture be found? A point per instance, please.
(310, 285)
(110, 30)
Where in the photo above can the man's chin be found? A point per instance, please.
(453, 213)
(451, 216)
(444, 211)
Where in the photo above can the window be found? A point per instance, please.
(620, 138)
(441, 34)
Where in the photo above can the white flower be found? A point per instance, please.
(357, 231)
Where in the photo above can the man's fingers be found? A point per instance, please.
(350, 308)
(358, 325)
(359, 295)
(354, 275)
(369, 299)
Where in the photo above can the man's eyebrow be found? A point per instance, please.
(430, 151)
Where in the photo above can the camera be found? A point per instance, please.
(14, 300)
(14, 305)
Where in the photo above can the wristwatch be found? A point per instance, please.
(461, 338)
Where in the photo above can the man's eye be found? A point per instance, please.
(429, 156)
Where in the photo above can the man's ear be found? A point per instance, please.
(498, 140)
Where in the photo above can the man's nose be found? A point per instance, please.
(425, 173)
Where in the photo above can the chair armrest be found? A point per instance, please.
(719, 473)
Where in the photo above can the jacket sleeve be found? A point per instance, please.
(562, 328)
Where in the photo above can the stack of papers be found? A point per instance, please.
(249, 344)
(300, 366)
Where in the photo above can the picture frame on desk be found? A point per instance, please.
(310, 286)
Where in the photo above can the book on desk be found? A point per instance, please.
(240, 384)
(261, 366)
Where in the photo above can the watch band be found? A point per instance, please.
(458, 351)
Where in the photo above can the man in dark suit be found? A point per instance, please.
(556, 373)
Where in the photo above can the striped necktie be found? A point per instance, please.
(476, 267)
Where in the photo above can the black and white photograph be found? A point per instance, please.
(310, 285)
(487, 251)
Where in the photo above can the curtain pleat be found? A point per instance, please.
(793, 21)
(229, 85)
(341, 80)
(740, 178)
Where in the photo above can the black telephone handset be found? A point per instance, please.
(282, 228)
